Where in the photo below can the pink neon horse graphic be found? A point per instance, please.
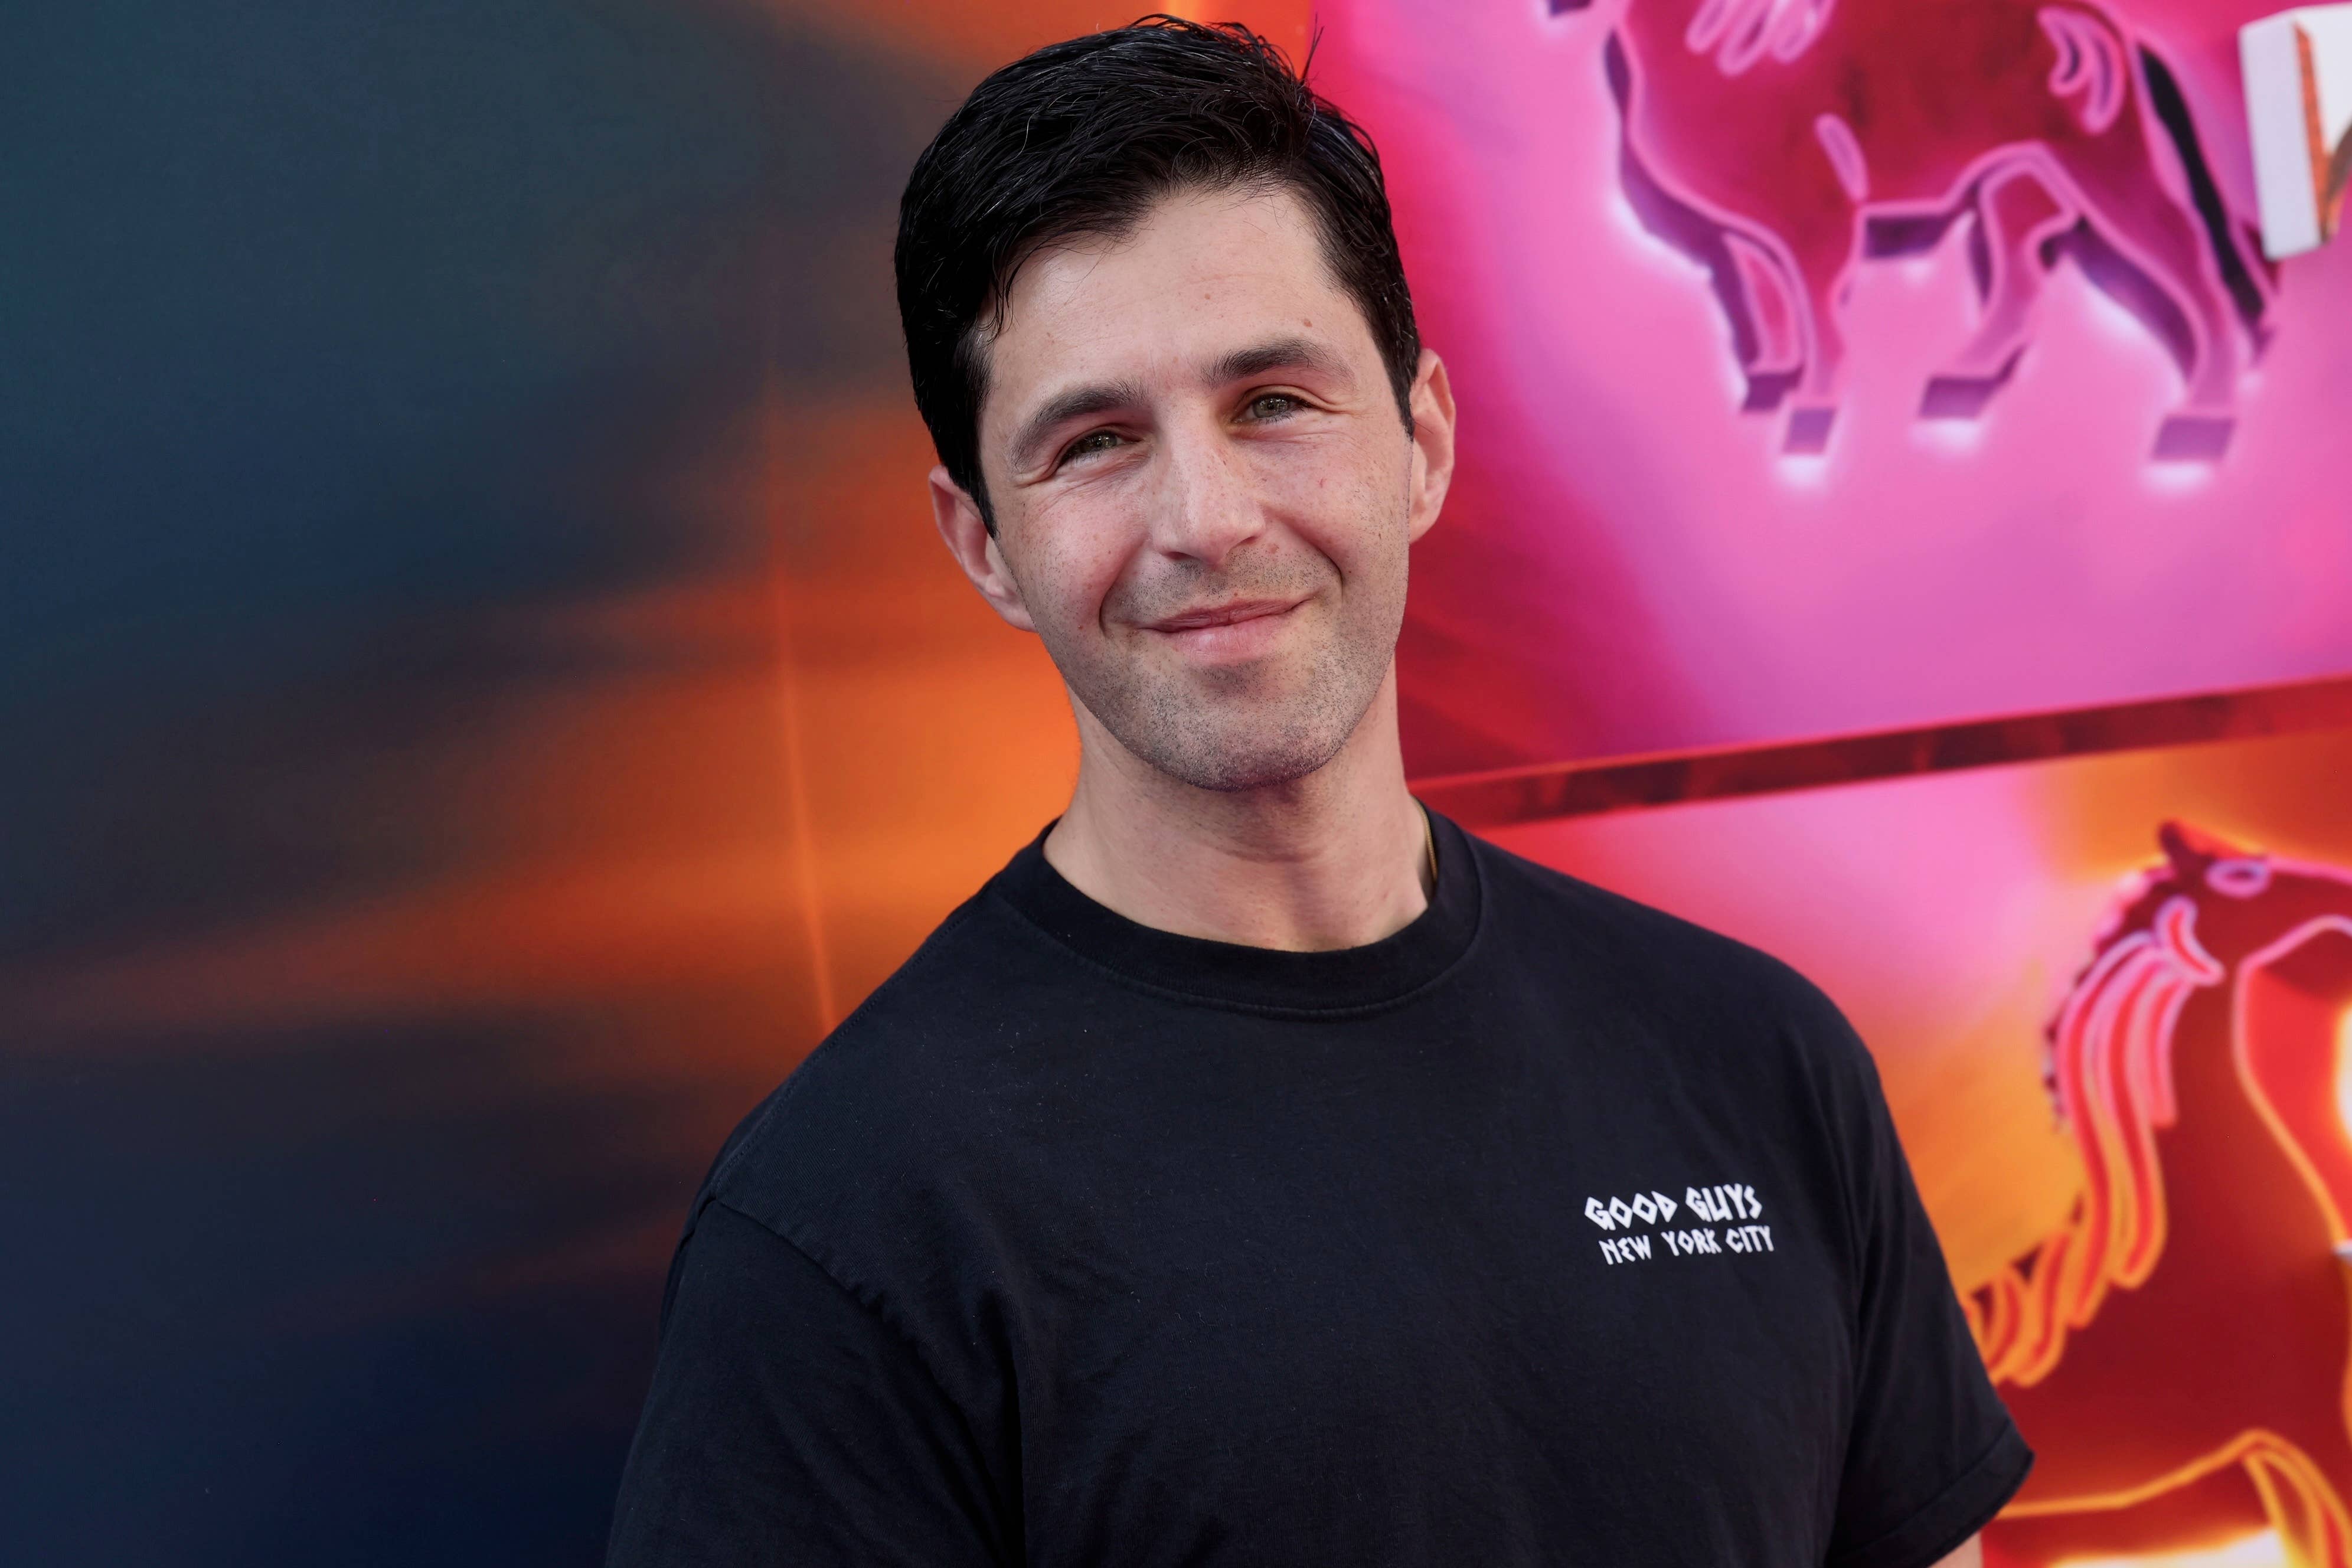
(1784, 143)
(2179, 1349)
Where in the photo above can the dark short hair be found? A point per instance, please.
(1079, 139)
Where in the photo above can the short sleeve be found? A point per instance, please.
(788, 1423)
(1931, 1454)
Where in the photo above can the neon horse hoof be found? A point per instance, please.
(1809, 429)
(1965, 397)
(1958, 397)
(2194, 437)
(1767, 389)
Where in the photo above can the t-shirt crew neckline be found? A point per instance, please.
(1232, 974)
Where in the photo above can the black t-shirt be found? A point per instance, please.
(1550, 1230)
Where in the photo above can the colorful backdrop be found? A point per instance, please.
(1901, 524)
(1859, 368)
(483, 695)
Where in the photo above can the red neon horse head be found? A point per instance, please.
(2179, 1349)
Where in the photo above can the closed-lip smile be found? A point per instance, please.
(1224, 615)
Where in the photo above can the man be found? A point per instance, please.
(1259, 1170)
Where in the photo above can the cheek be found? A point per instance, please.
(1075, 548)
(1346, 498)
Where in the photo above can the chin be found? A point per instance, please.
(1232, 759)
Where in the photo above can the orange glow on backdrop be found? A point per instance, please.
(853, 744)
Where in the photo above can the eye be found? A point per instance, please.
(1092, 442)
(1274, 406)
(2239, 879)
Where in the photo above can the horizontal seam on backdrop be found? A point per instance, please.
(1591, 786)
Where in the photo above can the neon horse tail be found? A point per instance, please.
(2251, 277)
(2094, 56)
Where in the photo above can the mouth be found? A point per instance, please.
(1234, 614)
(1240, 629)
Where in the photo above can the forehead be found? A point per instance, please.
(1202, 273)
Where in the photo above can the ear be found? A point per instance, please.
(1432, 443)
(2191, 849)
(968, 539)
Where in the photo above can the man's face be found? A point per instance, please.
(1203, 489)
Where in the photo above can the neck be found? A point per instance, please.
(1337, 859)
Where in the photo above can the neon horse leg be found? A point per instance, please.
(2016, 211)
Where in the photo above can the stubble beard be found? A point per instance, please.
(1259, 725)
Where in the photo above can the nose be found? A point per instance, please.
(1205, 506)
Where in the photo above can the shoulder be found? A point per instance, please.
(897, 1101)
(1544, 916)
(1669, 1002)
(1721, 1028)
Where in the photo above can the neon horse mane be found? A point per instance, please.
(2108, 1069)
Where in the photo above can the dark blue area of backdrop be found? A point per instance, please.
(322, 327)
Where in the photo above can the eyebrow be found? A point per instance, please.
(1277, 354)
(1078, 401)
(1060, 409)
